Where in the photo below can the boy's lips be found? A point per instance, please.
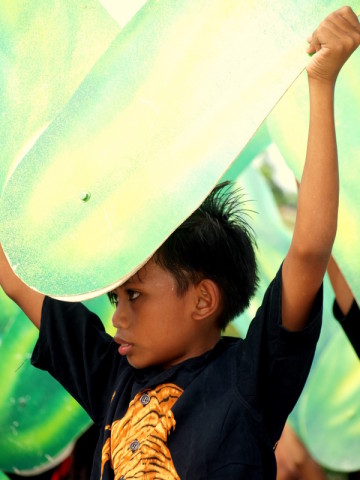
(124, 347)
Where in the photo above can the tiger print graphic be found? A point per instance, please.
(137, 445)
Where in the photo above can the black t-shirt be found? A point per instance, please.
(350, 324)
(213, 417)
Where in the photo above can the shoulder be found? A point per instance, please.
(74, 314)
(268, 340)
(270, 311)
(78, 328)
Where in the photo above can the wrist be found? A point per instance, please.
(321, 95)
(321, 85)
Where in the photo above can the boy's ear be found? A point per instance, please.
(208, 299)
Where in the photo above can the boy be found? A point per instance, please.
(179, 401)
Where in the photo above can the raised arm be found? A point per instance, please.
(304, 267)
(28, 300)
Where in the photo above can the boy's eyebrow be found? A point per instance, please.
(133, 279)
(128, 281)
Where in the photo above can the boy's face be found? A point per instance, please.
(154, 325)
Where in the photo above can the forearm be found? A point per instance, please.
(316, 222)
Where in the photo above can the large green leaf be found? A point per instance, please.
(46, 49)
(147, 134)
(122, 10)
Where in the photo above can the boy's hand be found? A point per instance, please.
(336, 38)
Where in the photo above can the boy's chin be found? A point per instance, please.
(139, 364)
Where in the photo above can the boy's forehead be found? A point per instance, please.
(140, 274)
(137, 277)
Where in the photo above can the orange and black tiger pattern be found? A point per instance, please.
(137, 445)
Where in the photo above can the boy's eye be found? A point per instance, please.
(113, 298)
(132, 295)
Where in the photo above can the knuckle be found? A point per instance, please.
(321, 28)
(350, 42)
(357, 36)
(344, 46)
(345, 11)
(334, 16)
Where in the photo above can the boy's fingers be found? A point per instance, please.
(339, 25)
(348, 14)
(346, 20)
(320, 35)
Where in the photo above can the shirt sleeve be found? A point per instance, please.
(275, 362)
(350, 324)
(75, 349)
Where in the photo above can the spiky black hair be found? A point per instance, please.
(215, 242)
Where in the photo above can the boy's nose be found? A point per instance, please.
(120, 318)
